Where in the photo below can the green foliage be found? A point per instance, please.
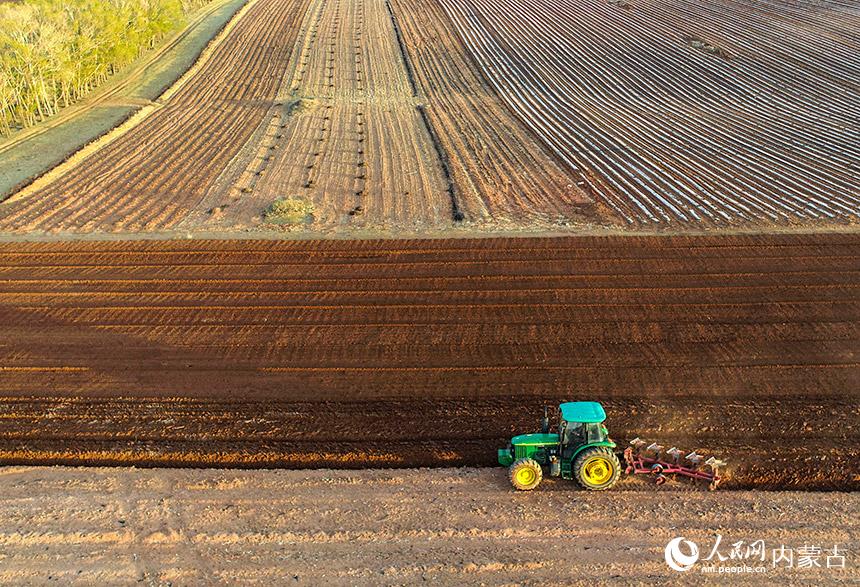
(53, 52)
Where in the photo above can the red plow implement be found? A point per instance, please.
(653, 460)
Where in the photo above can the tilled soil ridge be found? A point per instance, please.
(401, 353)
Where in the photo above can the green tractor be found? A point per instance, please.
(581, 450)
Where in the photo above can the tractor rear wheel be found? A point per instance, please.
(525, 474)
(597, 468)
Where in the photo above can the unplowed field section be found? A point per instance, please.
(676, 111)
(355, 144)
(123, 526)
(264, 353)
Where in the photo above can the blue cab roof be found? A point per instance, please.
(586, 412)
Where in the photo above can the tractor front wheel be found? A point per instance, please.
(525, 474)
(597, 468)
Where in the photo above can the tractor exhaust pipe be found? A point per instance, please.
(544, 424)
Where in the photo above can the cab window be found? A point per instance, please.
(595, 433)
(574, 433)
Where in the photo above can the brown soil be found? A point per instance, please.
(320, 108)
(393, 117)
(155, 173)
(501, 173)
(664, 131)
(444, 526)
(352, 353)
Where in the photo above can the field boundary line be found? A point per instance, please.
(535, 277)
(440, 305)
(139, 116)
(422, 291)
(353, 261)
(410, 71)
(487, 368)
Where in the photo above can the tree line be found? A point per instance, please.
(53, 52)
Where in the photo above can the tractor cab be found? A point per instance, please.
(581, 423)
(581, 450)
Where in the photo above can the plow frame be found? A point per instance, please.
(638, 464)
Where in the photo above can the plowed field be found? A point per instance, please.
(351, 353)
(302, 100)
(312, 101)
(153, 174)
(408, 117)
(501, 173)
(685, 111)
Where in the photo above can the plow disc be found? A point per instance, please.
(654, 460)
